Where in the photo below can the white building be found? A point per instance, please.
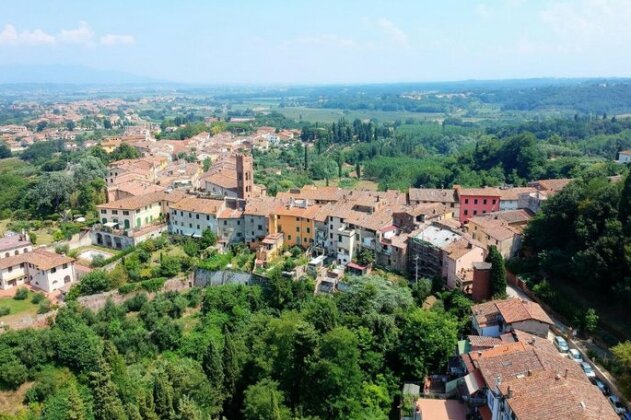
(42, 269)
(14, 244)
(192, 216)
(624, 156)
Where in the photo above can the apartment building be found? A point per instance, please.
(191, 216)
(475, 201)
(296, 220)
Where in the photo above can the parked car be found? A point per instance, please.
(573, 354)
(561, 344)
(616, 404)
(601, 385)
(626, 415)
(589, 371)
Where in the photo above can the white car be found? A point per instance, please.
(589, 371)
(561, 344)
(616, 404)
(573, 354)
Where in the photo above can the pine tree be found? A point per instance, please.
(306, 157)
(498, 273)
(163, 396)
(107, 404)
(358, 170)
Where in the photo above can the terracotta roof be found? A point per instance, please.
(137, 187)
(436, 409)
(315, 193)
(515, 310)
(223, 179)
(261, 206)
(432, 195)
(43, 260)
(308, 212)
(480, 192)
(136, 202)
(228, 213)
(552, 185)
(13, 241)
(198, 205)
(458, 248)
(552, 394)
(485, 313)
(512, 194)
(495, 228)
(483, 341)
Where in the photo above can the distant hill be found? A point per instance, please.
(62, 74)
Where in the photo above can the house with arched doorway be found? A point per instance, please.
(45, 270)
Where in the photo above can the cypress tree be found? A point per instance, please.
(107, 404)
(624, 205)
(306, 157)
(230, 367)
(163, 396)
(213, 367)
(498, 273)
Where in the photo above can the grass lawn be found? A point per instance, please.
(18, 307)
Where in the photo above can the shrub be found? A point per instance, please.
(61, 249)
(32, 236)
(128, 288)
(153, 285)
(37, 298)
(135, 303)
(97, 261)
(4, 310)
(21, 293)
(44, 307)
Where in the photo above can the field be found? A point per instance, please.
(333, 115)
(18, 307)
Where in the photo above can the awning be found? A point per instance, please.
(471, 383)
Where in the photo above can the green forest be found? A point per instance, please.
(273, 351)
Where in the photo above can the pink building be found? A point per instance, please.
(475, 201)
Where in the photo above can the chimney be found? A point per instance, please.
(566, 372)
(509, 393)
(529, 373)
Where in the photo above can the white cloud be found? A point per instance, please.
(392, 31)
(83, 35)
(112, 39)
(11, 36)
(483, 11)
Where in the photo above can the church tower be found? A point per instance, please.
(245, 177)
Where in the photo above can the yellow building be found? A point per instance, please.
(137, 211)
(296, 221)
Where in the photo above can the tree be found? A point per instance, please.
(230, 364)
(366, 257)
(107, 404)
(51, 194)
(427, 341)
(208, 238)
(187, 409)
(624, 205)
(163, 396)
(212, 364)
(358, 171)
(206, 164)
(5, 152)
(498, 273)
(590, 321)
(306, 163)
(125, 151)
(65, 403)
(263, 400)
(622, 353)
(71, 125)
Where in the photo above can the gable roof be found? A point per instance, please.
(42, 259)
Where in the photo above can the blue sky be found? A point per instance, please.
(304, 41)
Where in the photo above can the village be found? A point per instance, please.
(517, 365)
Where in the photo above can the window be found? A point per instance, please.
(197, 216)
(103, 211)
(190, 214)
(339, 238)
(190, 225)
(125, 213)
(475, 201)
(207, 217)
(494, 201)
(53, 270)
(289, 237)
(198, 227)
(10, 269)
(16, 252)
(238, 222)
(297, 219)
(484, 201)
(466, 212)
(308, 230)
(65, 266)
(330, 236)
(297, 228)
(225, 223)
(260, 227)
(475, 212)
(466, 201)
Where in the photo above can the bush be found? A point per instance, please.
(153, 285)
(32, 236)
(44, 307)
(37, 298)
(128, 288)
(21, 293)
(135, 303)
(4, 310)
(61, 249)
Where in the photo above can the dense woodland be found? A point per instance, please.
(253, 352)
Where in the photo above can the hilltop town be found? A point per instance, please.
(186, 232)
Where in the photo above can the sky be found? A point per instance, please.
(325, 41)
